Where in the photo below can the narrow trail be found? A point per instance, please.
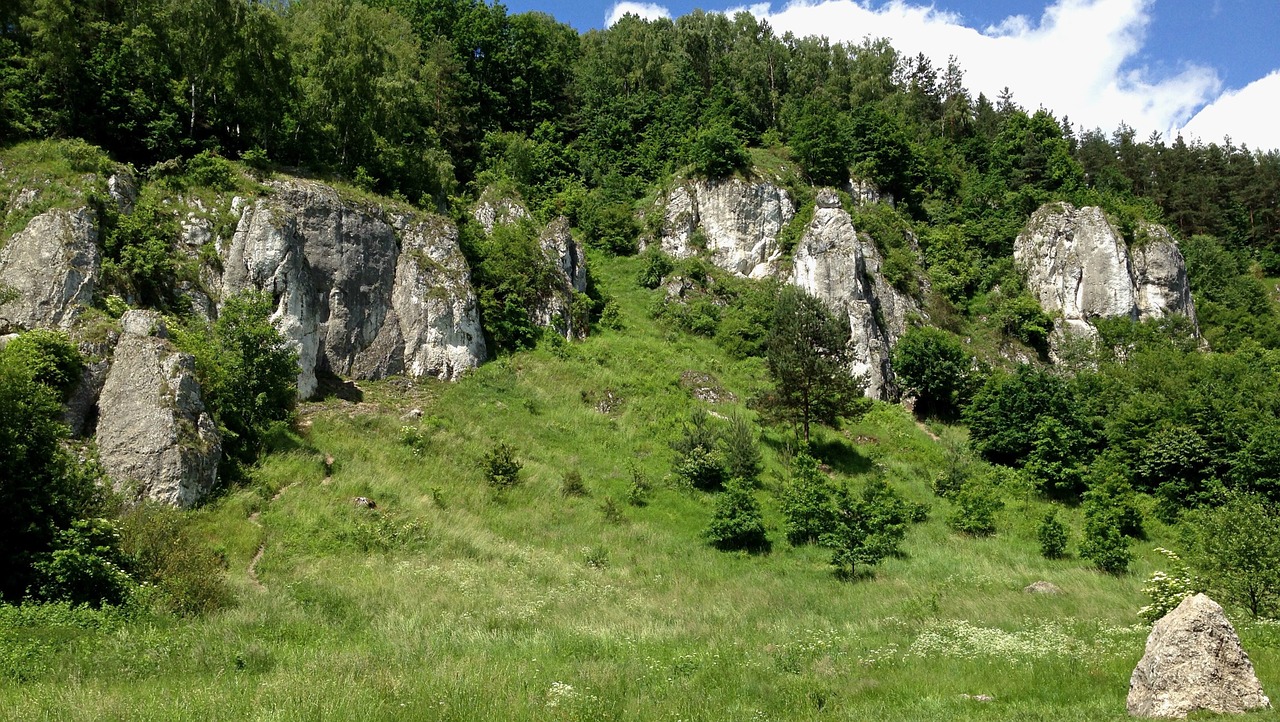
(927, 432)
(262, 547)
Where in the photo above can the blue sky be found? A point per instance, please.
(1206, 68)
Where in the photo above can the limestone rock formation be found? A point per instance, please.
(492, 211)
(359, 292)
(843, 268)
(739, 221)
(1077, 265)
(1194, 661)
(153, 429)
(571, 277)
(49, 270)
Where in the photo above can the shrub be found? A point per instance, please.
(572, 484)
(1103, 542)
(85, 566)
(49, 357)
(742, 457)
(717, 151)
(1166, 590)
(805, 502)
(209, 170)
(975, 510)
(501, 467)
(698, 460)
(934, 366)
(139, 258)
(1022, 318)
(737, 522)
(611, 511)
(1052, 534)
(865, 530)
(641, 488)
(189, 575)
(654, 267)
(1235, 548)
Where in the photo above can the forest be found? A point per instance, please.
(1165, 431)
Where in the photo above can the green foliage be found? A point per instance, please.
(188, 576)
(42, 487)
(513, 277)
(1235, 549)
(807, 353)
(1166, 590)
(656, 266)
(1052, 534)
(248, 374)
(140, 259)
(1004, 415)
(976, 504)
(49, 358)
(933, 366)
(866, 529)
(608, 223)
(209, 170)
(571, 484)
(737, 522)
(1177, 465)
(1021, 317)
(717, 151)
(641, 488)
(1104, 543)
(741, 448)
(501, 467)
(699, 461)
(1058, 458)
(806, 502)
(85, 566)
(818, 144)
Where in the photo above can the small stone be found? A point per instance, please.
(978, 697)
(1194, 661)
(1042, 587)
(411, 415)
(365, 502)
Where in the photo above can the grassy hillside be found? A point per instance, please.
(450, 602)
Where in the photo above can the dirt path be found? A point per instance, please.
(927, 432)
(254, 519)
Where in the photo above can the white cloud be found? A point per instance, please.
(1072, 60)
(1247, 115)
(647, 11)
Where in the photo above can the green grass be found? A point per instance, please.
(448, 602)
(63, 174)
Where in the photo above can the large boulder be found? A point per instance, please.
(1080, 269)
(842, 268)
(739, 222)
(358, 291)
(1194, 661)
(154, 435)
(570, 277)
(49, 270)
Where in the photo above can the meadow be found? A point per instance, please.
(452, 601)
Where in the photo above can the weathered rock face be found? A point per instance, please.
(1078, 267)
(52, 268)
(357, 292)
(571, 277)
(740, 222)
(153, 429)
(491, 212)
(1194, 661)
(843, 269)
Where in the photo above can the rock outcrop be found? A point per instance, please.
(1078, 266)
(739, 222)
(359, 292)
(836, 264)
(493, 211)
(1194, 661)
(571, 277)
(49, 270)
(153, 430)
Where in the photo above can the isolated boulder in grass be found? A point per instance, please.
(1194, 661)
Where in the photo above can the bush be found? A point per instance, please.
(1052, 534)
(805, 502)
(933, 365)
(572, 484)
(717, 151)
(248, 375)
(698, 460)
(1022, 318)
(742, 457)
(641, 488)
(209, 170)
(1235, 548)
(865, 530)
(139, 258)
(190, 577)
(85, 566)
(1103, 542)
(737, 522)
(654, 267)
(500, 466)
(49, 357)
(975, 509)
(1166, 590)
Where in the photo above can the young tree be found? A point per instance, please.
(1052, 534)
(1236, 549)
(807, 353)
(866, 529)
(737, 522)
(933, 365)
(806, 502)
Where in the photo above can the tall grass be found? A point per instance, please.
(450, 602)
